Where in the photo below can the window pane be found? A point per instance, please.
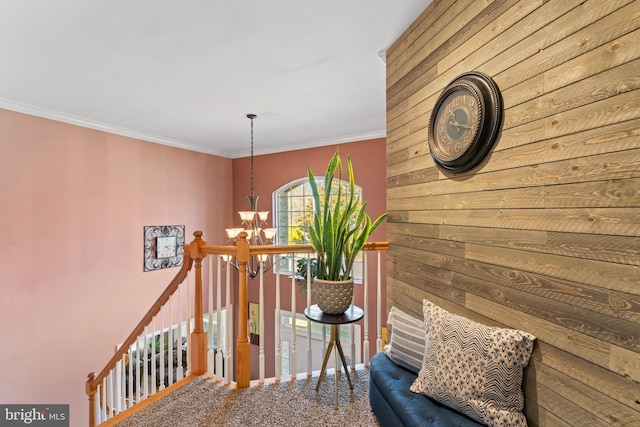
(294, 213)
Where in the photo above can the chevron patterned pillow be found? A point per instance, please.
(473, 368)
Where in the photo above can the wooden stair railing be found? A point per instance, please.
(243, 255)
(194, 253)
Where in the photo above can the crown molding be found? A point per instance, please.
(32, 110)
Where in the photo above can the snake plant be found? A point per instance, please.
(340, 225)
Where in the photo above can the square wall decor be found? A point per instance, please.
(163, 246)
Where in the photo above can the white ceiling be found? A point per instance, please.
(186, 73)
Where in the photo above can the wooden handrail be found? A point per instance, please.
(281, 249)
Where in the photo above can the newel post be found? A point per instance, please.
(243, 373)
(91, 390)
(198, 336)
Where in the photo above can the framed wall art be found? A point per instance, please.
(163, 246)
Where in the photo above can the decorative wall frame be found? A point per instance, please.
(163, 246)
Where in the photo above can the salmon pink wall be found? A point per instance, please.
(275, 170)
(73, 204)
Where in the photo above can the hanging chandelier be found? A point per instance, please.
(253, 223)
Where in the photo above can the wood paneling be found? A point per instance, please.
(544, 235)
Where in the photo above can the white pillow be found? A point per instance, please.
(407, 340)
(473, 368)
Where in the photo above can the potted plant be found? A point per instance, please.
(339, 230)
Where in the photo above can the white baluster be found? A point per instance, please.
(218, 373)
(261, 358)
(188, 331)
(293, 365)
(379, 307)
(178, 362)
(365, 268)
(118, 396)
(134, 392)
(153, 357)
(278, 323)
(128, 402)
(324, 342)
(108, 390)
(228, 333)
(100, 402)
(145, 366)
(210, 356)
(170, 378)
(161, 336)
(309, 350)
(353, 347)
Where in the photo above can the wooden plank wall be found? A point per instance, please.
(544, 235)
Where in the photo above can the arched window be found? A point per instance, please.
(293, 213)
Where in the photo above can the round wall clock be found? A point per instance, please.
(465, 122)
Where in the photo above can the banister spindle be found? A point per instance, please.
(261, 356)
(154, 355)
(218, 373)
(278, 324)
(309, 347)
(162, 348)
(228, 334)
(170, 359)
(365, 281)
(378, 307)
(188, 328)
(210, 353)
(293, 358)
(178, 350)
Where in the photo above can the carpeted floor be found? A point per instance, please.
(291, 403)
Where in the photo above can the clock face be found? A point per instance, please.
(166, 247)
(456, 124)
(465, 122)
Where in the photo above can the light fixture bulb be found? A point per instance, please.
(269, 233)
(247, 216)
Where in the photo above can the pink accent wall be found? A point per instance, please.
(73, 204)
(275, 170)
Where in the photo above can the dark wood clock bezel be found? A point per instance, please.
(490, 102)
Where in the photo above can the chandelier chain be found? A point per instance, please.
(251, 116)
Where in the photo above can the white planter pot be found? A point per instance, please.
(333, 297)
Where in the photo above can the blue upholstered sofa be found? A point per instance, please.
(448, 371)
(394, 405)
